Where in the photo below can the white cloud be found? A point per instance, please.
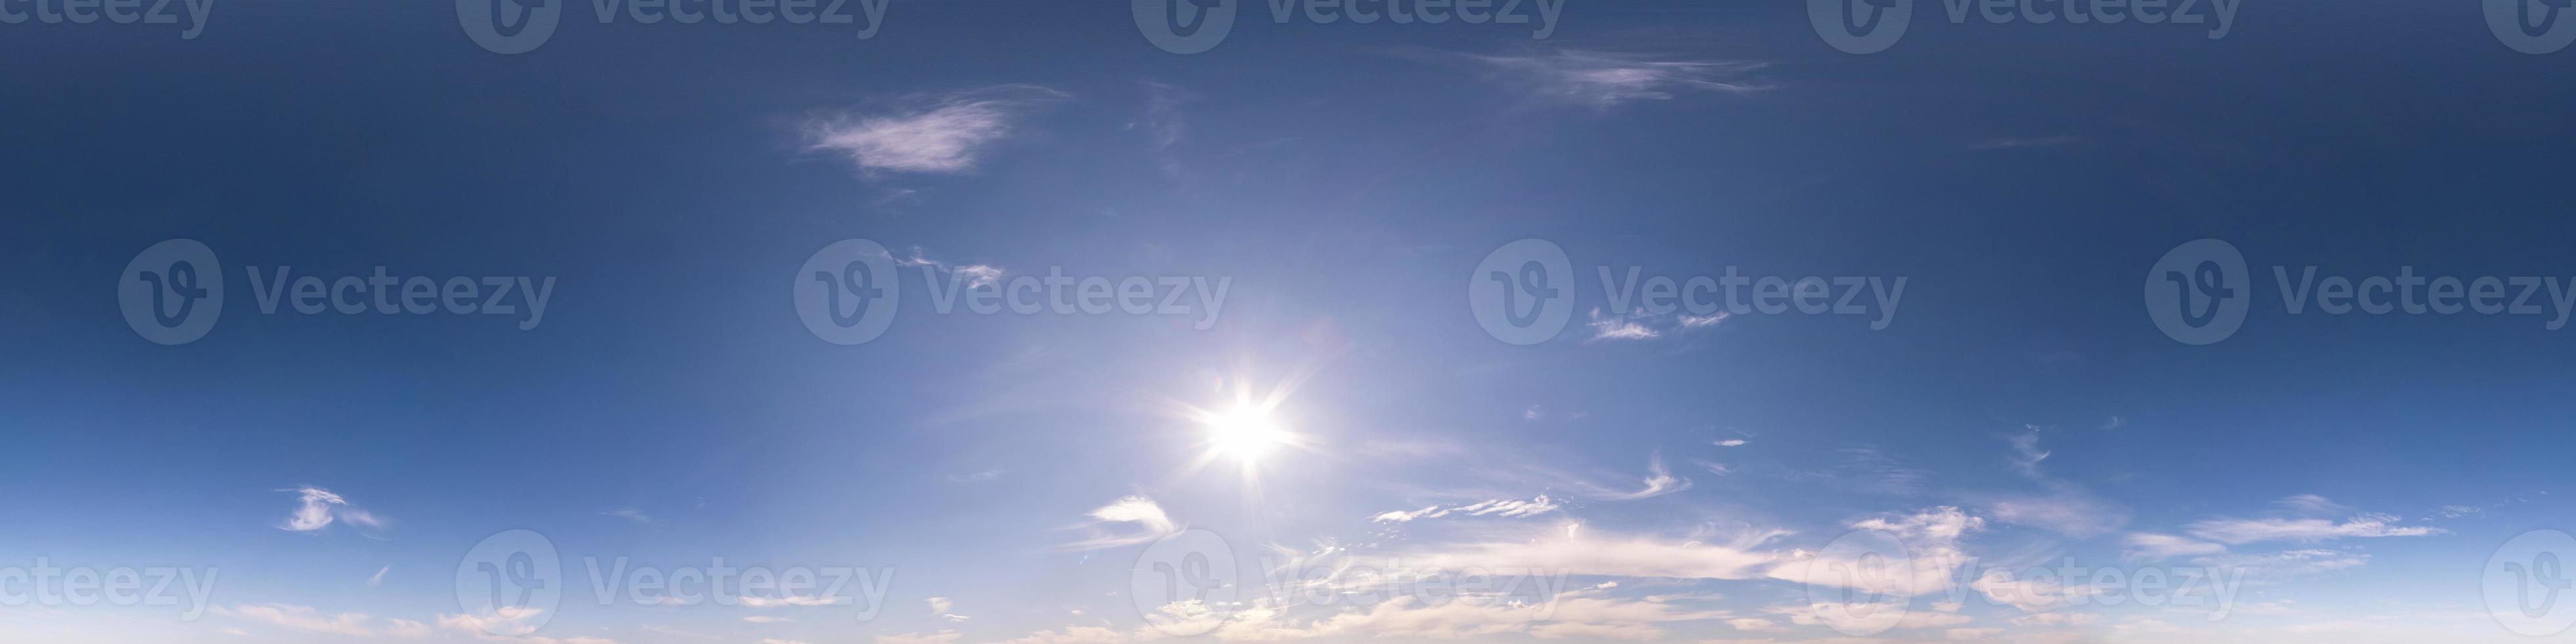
(2063, 509)
(765, 619)
(942, 637)
(1619, 556)
(2457, 511)
(2149, 546)
(1150, 523)
(788, 600)
(2239, 531)
(932, 134)
(2032, 594)
(971, 275)
(1731, 442)
(1602, 80)
(1659, 481)
(379, 577)
(406, 628)
(2311, 505)
(1929, 537)
(1619, 328)
(630, 514)
(508, 625)
(301, 618)
(2026, 453)
(1753, 624)
(1496, 507)
(938, 605)
(2288, 562)
(317, 508)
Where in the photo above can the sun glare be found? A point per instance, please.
(1245, 433)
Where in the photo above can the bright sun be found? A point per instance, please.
(1245, 433)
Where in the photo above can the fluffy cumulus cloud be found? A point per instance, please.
(944, 133)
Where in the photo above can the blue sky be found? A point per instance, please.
(1328, 444)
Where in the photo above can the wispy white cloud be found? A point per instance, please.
(2061, 506)
(1720, 469)
(2311, 505)
(972, 275)
(2149, 546)
(942, 637)
(1603, 80)
(2238, 531)
(379, 577)
(1619, 328)
(630, 514)
(1145, 517)
(509, 625)
(1574, 552)
(1659, 481)
(944, 133)
(301, 618)
(1495, 507)
(2026, 452)
(317, 508)
(788, 600)
(2287, 562)
(1930, 536)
